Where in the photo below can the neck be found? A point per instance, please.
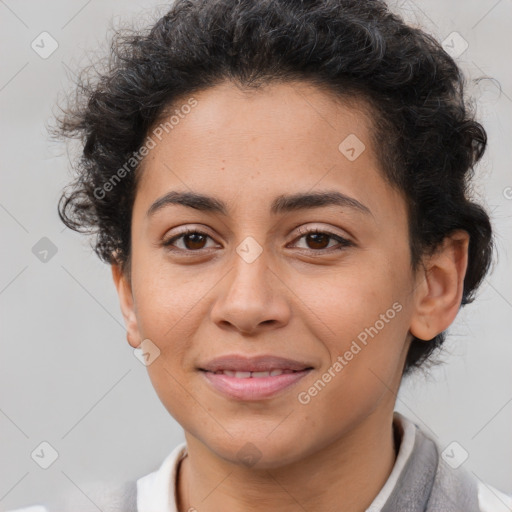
(345, 476)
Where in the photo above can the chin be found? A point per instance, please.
(256, 449)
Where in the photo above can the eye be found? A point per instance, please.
(319, 240)
(192, 239)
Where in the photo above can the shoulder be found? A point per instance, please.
(456, 482)
(105, 496)
(150, 492)
(491, 499)
(34, 508)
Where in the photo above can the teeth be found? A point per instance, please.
(247, 375)
(260, 374)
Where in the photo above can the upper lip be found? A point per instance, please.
(235, 362)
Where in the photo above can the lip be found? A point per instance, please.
(253, 388)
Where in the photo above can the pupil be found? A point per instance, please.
(195, 237)
(315, 237)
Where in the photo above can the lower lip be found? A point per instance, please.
(253, 388)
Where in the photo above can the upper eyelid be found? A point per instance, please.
(302, 231)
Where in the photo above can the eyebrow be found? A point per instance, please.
(281, 204)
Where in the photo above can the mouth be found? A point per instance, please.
(257, 378)
(255, 375)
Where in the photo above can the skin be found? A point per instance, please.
(301, 298)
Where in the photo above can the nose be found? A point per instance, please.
(252, 298)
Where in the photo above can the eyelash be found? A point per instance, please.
(343, 242)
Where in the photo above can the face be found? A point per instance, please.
(329, 311)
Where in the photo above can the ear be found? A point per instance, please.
(438, 292)
(124, 292)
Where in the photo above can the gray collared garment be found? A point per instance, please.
(428, 484)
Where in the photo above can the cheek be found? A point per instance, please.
(359, 311)
(164, 293)
(168, 308)
(361, 323)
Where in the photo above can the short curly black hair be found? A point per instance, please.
(426, 135)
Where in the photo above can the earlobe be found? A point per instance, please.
(125, 295)
(439, 294)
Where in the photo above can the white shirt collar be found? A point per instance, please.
(157, 491)
(407, 430)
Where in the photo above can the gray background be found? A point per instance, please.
(67, 374)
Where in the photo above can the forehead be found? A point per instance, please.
(249, 144)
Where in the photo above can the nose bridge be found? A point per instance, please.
(249, 298)
(248, 283)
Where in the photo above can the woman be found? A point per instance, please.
(280, 188)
